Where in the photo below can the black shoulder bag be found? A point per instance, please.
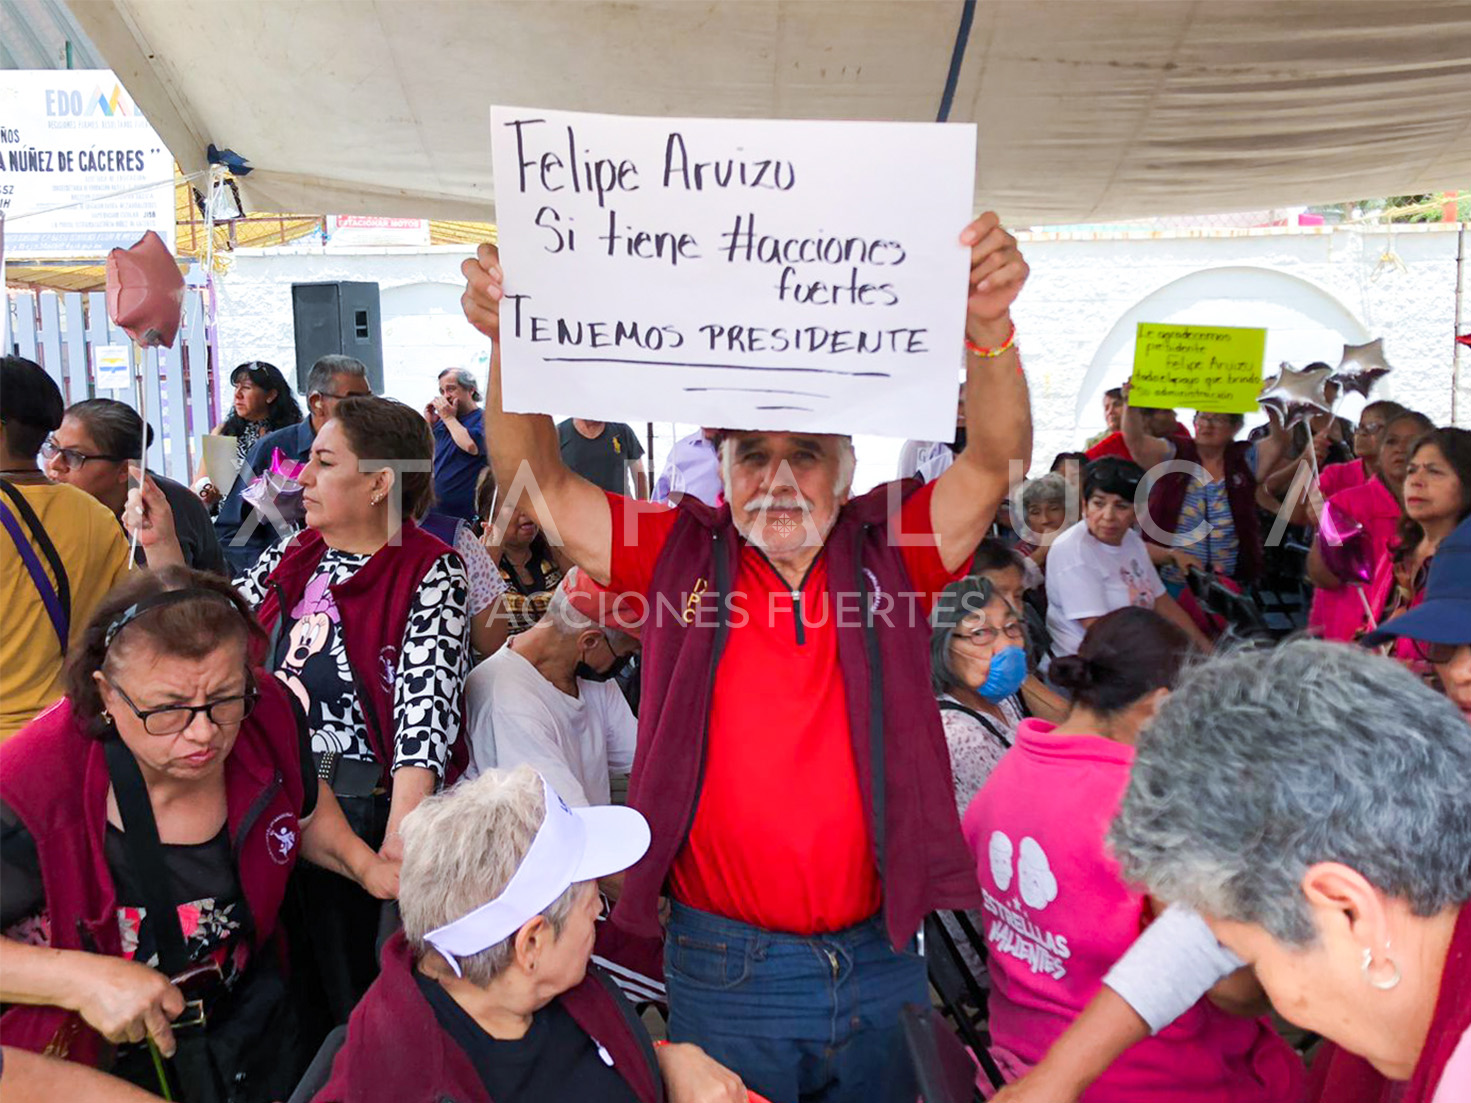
(244, 1045)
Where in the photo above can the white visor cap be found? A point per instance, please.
(572, 845)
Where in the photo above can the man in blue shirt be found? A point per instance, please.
(459, 442)
(244, 532)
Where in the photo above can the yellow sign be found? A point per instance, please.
(1217, 369)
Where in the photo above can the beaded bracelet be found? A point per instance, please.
(990, 354)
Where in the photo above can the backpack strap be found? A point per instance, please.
(877, 768)
(980, 718)
(635, 1025)
(56, 597)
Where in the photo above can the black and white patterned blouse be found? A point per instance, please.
(311, 660)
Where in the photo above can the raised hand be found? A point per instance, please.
(147, 514)
(484, 289)
(997, 273)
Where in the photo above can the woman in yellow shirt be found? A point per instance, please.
(61, 550)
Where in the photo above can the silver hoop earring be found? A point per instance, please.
(1382, 985)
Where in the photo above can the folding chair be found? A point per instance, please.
(943, 1070)
(961, 996)
(320, 1070)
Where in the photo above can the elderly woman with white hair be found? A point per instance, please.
(1044, 509)
(1311, 803)
(488, 992)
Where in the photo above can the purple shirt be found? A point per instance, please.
(692, 468)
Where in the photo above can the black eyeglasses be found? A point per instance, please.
(72, 457)
(1014, 630)
(172, 719)
(1437, 653)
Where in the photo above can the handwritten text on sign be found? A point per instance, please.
(738, 273)
(1214, 369)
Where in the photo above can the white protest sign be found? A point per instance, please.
(81, 172)
(113, 367)
(754, 274)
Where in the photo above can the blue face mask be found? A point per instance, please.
(1008, 672)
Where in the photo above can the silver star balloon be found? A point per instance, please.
(1295, 395)
(1361, 367)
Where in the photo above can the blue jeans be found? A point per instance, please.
(798, 1019)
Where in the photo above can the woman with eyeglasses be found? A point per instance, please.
(1059, 913)
(1368, 436)
(1437, 498)
(263, 403)
(91, 450)
(368, 618)
(978, 663)
(150, 822)
(1215, 518)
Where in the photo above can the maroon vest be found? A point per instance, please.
(1167, 498)
(374, 606)
(893, 721)
(396, 1049)
(55, 778)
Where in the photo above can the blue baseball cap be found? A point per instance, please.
(1445, 614)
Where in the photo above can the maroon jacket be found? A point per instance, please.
(1167, 498)
(55, 778)
(396, 1050)
(921, 856)
(374, 605)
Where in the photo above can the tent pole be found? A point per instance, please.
(1460, 303)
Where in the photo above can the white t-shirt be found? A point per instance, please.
(1087, 578)
(516, 716)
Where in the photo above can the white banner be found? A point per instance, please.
(73, 139)
(346, 230)
(742, 273)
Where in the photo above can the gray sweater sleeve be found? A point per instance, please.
(1170, 967)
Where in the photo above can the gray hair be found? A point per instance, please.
(1265, 762)
(1050, 488)
(847, 463)
(963, 598)
(319, 379)
(461, 849)
(465, 378)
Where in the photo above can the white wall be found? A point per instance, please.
(1311, 289)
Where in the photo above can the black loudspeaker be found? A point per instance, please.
(338, 318)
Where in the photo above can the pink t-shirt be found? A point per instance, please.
(1455, 1081)
(1337, 477)
(1057, 916)
(1339, 614)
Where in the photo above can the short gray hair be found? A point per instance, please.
(465, 378)
(1265, 762)
(461, 849)
(319, 379)
(1050, 488)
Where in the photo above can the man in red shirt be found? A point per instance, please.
(804, 836)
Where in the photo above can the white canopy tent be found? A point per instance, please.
(1088, 110)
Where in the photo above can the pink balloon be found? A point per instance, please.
(145, 292)
(1344, 546)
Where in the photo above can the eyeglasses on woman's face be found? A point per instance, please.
(1436, 653)
(172, 719)
(72, 458)
(983, 636)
